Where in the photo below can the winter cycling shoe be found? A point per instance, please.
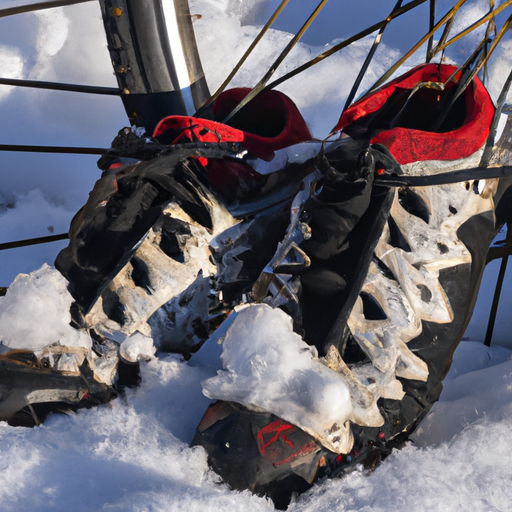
(347, 279)
(366, 298)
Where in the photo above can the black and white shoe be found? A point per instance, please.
(347, 278)
(378, 278)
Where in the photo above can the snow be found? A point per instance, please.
(336, 74)
(133, 454)
(129, 455)
(459, 459)
(137, 347)
(11, 63)
(35, 312)
(269, 366)
(30, 215)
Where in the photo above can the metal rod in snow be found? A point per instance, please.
(52, 149)
(54, 86)
(497, 291)
(491, 15)
(489, 145)
(239, 64)
(261, 84)
(480, 62)
(347, 42)
(22, 6)
(431, 24)
(446, 18)
(33, 241)
(370, 55)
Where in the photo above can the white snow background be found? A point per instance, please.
(133, 454)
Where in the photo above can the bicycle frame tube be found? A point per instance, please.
(154, 54)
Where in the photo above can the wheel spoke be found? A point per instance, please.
(22, 7)
(55, 86)
(52, 149)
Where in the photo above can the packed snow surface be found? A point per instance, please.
(133, 454)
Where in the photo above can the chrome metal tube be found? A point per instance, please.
(155, 58)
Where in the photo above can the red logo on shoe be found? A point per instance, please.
(275, 445)
(275, 431)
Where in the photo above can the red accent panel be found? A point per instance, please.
(215, 412)
(410, 145)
